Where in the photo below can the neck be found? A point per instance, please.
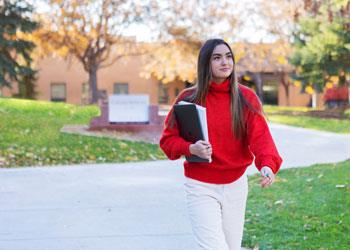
(218, 80)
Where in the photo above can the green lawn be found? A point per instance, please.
(270, 109)
(306, 208)
(330, 125)
(347, 112)
(29, 135)
(273, 114)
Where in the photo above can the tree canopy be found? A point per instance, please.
(322, 45)
(182, 28)
(15, 52)
(91, 31)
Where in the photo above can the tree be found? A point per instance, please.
(279, 20)
(92, 32)
(182, 27)
(185, 25)
(259, 58)
(15, 53)
(322, 45)
(27, 85)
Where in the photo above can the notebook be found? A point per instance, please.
(192, 121)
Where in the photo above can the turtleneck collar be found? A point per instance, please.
(220, 87)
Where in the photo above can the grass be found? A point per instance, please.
(29, 135)
(323, 124)
(306, 208)
(270, 109)
(273, 114)
(347, 112)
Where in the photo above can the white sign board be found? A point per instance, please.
(128, 108)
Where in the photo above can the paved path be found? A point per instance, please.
(129, 206)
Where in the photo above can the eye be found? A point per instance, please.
(216, 58)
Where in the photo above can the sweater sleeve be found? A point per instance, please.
(260, 140)
(172, 144)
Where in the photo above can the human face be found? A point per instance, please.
(221, 63)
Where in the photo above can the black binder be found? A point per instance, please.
(189, 125)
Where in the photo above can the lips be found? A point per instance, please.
(224, 69)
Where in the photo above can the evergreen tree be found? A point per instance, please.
(15, 58)
(322, 45)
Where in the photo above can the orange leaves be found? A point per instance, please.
(174, 61)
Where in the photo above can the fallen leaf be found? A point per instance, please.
(278, 202)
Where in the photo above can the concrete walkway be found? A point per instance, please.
(129, 206)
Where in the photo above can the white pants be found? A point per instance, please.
(216, 212)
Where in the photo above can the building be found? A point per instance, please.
(66, 81)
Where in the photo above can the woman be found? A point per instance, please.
(216, 192)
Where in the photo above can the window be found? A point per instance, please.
(177, 91)
(270, 92)
(121, 88)
(163, 94)
(58, 92)
(85, 93)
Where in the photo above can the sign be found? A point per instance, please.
(128, 108)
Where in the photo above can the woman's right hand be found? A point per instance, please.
(202, 149)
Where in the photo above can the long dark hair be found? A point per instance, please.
(198, 93)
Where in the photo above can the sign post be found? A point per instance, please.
(128, 109)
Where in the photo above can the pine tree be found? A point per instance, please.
(15, 53)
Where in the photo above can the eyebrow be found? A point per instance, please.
(217, 54)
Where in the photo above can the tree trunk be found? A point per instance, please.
(314, 100)
(93, 84)
(259, 86)
(285, 84)
(29, 86)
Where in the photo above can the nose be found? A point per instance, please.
(224, 61)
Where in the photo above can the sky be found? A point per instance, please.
(248, 32)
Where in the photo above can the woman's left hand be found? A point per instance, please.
(268, 177)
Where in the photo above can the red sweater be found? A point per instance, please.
(230, 157)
